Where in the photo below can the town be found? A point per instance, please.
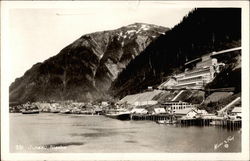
(163, 104)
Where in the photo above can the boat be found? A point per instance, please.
(161, 121)
(31, 112)
(166, 122)
(119, 114)
(55, 111)
(65, 112)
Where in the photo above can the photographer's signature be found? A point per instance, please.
(225, 143)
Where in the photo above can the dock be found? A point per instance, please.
(227, 123)
(152, 117)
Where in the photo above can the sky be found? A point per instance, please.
(37, 33)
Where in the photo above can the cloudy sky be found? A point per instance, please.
(37, 32)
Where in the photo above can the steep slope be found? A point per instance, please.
(85, 69)
(202, 31)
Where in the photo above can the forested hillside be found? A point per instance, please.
(202, 31)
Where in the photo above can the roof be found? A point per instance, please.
(160, 110)
(177, 102)
(139, 110)
(201, 111)
(236, 110)
(184, 111)
(140, 97)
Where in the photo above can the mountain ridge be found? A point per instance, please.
(84, 69)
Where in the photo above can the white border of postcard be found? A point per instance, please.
(5, 155)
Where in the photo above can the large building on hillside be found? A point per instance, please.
(199, 71)
(203, 72)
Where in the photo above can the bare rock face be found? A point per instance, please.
(85, 69)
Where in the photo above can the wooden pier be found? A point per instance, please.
(218, 121)
(195, 121)
(228, 123)
(153, 117)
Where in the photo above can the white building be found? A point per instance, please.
(178, 105)
(204, 72)
(104, 103)
(196, 78)
(159, 111)
(190, 113)
(237, 111)
(143, 103)
(185, 113)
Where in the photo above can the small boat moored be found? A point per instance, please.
(30, 112)
(119, 114)
(65, 112)
(166, 122)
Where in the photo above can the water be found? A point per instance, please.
(47, 133)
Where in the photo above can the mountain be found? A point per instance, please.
(85, 69)
(202, 31)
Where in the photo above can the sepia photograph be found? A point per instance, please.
(124, 80)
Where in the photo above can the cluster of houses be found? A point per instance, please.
(184, 110)
(177, 108)
(62, 107)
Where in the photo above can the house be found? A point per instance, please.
(201, 112)
(104, 103)
(184, 113)
(190, 113)
(150, 88)
(159, 111)
(98, 110)
(236, 111)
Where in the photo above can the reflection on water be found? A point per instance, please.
(66, 133)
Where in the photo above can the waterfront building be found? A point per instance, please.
(225, 110)
(202, 112)
(141, 99)
(190, 113)
(159, 111)
(187, 113)
(178, 105)
(236, 111)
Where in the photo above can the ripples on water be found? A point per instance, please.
(77, 133)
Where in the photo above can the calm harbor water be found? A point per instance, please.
(48, 132)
